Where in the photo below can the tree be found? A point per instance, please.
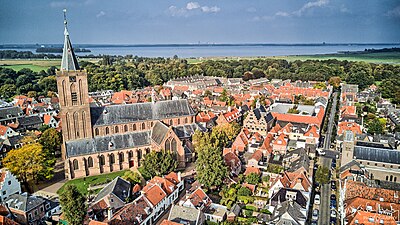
(253, 178)
(210, 166)
(158, 163)
(73, 204)
(51, 141)
(244, 191)
(28, 162)
(335, 81)
(375, 127)
(322, 175)
(132, 177)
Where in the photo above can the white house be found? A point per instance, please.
(6, 132)
(8, 184)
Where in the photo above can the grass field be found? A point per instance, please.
(381, 57)
(34, 65)
(83, 183)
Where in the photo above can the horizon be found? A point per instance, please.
(190, 22)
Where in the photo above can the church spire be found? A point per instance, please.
(68, 61)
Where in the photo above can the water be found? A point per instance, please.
(187, 51)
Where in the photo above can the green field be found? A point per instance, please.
(380, 57)
(34, 65)
(83, 183)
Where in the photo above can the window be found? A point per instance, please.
(112, 200)
(116, 129)
(36, 213)
(74, 98)
(9, 182)
(90, 162)
(112, 159)
(170, 122)
(30, 216)
(121, 157)
(134, 127)
(143, 126)
(4, 192)
(101, 160)
(125, 128)
(75, 164)
(96, 131)
(107, 130)
(41, 209)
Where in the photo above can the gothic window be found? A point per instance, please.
(80, 92)
(107, 130)
(67, 125)
(143, 126)
(134, 127)
(125, 128)
(112, 158)
(186, 120)
(96, 131)
(74, 95)
(101, 160)
(121, 157)
(90, 162)
(116, 129)
(84, 123)
(391, 177)
(75, 164)
(174, 146)
(76, 124)
(167, 145)
(63, 92)
(179, 121)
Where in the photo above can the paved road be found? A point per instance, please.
(324, 207)
(330, 122)
(325, 161)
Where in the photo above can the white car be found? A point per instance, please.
(321, 151)
(317, 199)
(333, 213)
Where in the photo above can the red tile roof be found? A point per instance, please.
(252, 169)
(154, 194)
(3, 130)
(167, 222)
(369, 218)
(350, 126)
(363, 204)
(358, 189)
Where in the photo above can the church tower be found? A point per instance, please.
(73, 95)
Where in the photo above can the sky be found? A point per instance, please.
(210, 21)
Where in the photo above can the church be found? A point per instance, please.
(111, 138)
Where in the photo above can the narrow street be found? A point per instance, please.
(326, 161)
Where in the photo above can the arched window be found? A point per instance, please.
(130, 155)
(186, 120)
(76, 124)
(174, 145)
(391, 177)
(90, 162)
(143, 126)
(67, 128)
(387, 178)
(96, 131)
(101, 160)
(107, 130)
(395, 179)
(179, 121)
(134, 127)
(121, 157)
(74, 96)
(63, 93)
(80, 92)
(170, 122)
(147, 151)
(125, 128)
(75, 164)
(116, 129)
(167, 145)
(112, 158)
(84, 123)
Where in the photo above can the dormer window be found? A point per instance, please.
(110, 144)
(72, 79)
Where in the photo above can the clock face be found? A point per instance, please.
(72, 79)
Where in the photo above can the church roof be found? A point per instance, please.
(119, 114)
(68, 61)
(159, 132)
(107, 143)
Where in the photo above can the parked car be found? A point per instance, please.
(190, 180)
(333, 204)
(315, 214)
(314, 222)
(317, 199)
(332, 221)
(333, 213)
(333, 197)
(321, 151)
(333, 185)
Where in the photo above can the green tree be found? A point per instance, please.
(253, 178)
(8, 91)
(244, 191)
(158, 163)
(51, 141)
(28, 162)
(73, 204)
(210, 166)
(375, 127)
(132, 177)
(322, 175)
(361, 74)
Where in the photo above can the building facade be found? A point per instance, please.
(115, 137)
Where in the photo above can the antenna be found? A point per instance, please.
(65, 16)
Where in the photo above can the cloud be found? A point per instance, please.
(61, 4)
(100, 14)
(394, 12)
(213, 9)
(192, 5)
(251, 10)
(306, 7)
(192, 8)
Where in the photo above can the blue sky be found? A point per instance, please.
(212, 21)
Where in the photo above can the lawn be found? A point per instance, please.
(83, 183)
(35, 65)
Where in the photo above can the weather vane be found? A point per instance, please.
(65, 16)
